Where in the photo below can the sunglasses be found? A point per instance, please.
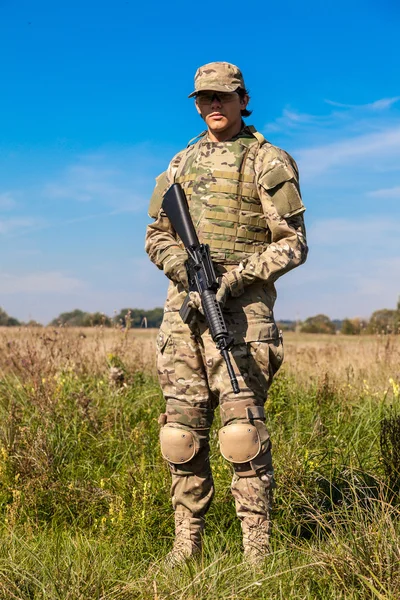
(206, 98)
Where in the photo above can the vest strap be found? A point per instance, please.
(246, 178)
(183, 178)
(234, 176)
(246, 234)
(219, 229)
(259, 136)
(239, 247)
(227, 202)
(239, 232)
(232, 189)
(223, 245)
(243, 219)
(231, 203)
(221, 215)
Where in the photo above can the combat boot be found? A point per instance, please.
(187, 542)
(256, 533)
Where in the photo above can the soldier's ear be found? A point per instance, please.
(197, 107)
(244, 101)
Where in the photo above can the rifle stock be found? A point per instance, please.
(177, 210)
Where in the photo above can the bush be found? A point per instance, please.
(318, 324)
(6, 321)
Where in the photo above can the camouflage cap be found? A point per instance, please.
(218, 77)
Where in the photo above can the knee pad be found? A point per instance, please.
(245, 442)
(179, 444)
(239, 442)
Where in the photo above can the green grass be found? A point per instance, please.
(84, 494)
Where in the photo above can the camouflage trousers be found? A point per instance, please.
(194, 380)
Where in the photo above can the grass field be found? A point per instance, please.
(84, 493)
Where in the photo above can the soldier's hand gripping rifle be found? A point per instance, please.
(201, 275)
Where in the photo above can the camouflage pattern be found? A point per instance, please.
(193, 374)
(218, 179)
(256, 535)
(258, 229)
(174, 268)
(193, 377)
(158, 194)
(222, 183)
(218, 77)
(263, 184)
(187, 543)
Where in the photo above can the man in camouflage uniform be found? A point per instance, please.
(245, 202)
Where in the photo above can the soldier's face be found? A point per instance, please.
(222, 112)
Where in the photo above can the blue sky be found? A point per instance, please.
(93, 105)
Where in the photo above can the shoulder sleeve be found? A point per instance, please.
(158, 194)
(163, 182)
(278, 175)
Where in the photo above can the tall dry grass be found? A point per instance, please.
(351, 360)
(84, 490)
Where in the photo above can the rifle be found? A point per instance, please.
(201, 275)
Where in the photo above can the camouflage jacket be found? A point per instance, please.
(276, 183)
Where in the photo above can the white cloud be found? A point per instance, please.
(357, 231)
(393, 192)
(7, 201)
(352, 270)
(349, 288)
(144, 287)
(292, 116)
(372, 148)
(91, 183)
(120, 179)
(39, 282)
(382, 104)
(345, 116)
(12, 225)
(382, 280)
(366, 136)
(292, 120)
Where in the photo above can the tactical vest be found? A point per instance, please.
(219, 182)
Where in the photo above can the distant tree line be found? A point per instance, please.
(382, 321)
(127, 317)
(6, 321)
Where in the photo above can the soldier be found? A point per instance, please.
(245, 202)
